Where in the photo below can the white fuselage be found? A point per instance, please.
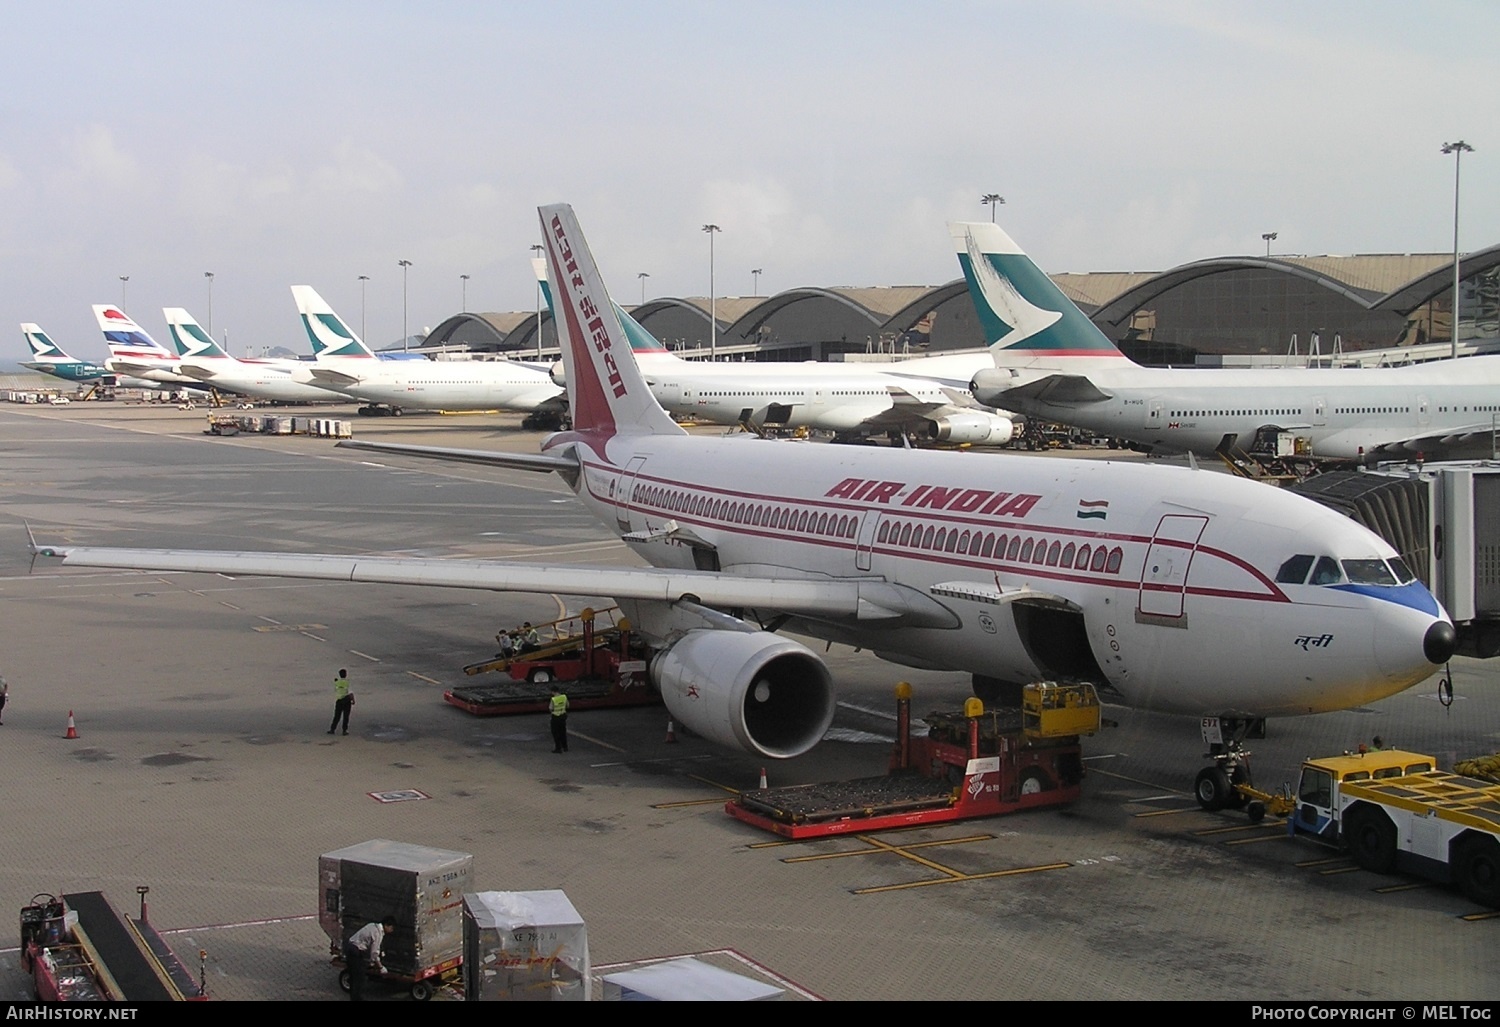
(430, 385)
(278, 382)
(1172, 571)
(1344, 412)
(830, 397)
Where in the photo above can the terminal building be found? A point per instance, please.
(1221, 311)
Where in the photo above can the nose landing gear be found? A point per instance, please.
(1219, 786)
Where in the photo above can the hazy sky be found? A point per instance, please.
(284, 143)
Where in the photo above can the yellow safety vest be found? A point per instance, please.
(559, 704)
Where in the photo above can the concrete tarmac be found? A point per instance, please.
(203, 768)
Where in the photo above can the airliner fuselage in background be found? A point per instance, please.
(1179, 590)
(925, 396)
(48, 358)
(344, 363)
(1055, 364)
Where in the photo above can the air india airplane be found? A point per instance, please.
(1173, 589)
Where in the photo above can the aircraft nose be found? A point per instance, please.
(1440, 642)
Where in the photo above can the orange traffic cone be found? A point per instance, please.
(72, 728)
(671, 732)
(763, 778)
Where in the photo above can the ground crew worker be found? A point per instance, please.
(362, 951)
(4, 693)
(343, 701)
(507, 645)
(558, 706)
(529, 638)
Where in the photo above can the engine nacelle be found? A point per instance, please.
(971, 427)
(753, 691)
(988, 385)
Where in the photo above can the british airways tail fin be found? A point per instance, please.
(42, 347)
(1025, 316)
(330, 336)
(189, 337)
(606, 393)
(124, 337)
(641, 340)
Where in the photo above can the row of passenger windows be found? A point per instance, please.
(1011, 548)
(782, 518)
(906, 534)
(1328, 571)
(1372, 410)
(1234, 413)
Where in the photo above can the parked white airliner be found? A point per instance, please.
(343, 362)
(926, 396)
(1057, 365)
(1175, 589)
(204, 360)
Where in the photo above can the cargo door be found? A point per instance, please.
(1165, 573)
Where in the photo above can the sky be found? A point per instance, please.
(276, 143)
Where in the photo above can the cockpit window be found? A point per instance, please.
(1369, 572)
(1294, 571)
(1403, 572)
(1326, 572)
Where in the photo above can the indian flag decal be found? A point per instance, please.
(1095, 508)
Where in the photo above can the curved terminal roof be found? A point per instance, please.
(849, 318)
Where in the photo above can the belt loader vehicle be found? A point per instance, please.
(1393, 810)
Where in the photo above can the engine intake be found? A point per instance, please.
(753, 691)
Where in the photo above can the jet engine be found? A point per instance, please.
(990, 384)
(974, 428)
(754, 691)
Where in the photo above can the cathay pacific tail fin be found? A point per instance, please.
(1025, 316)
(188, 336)
(42, 347)
(330, 336)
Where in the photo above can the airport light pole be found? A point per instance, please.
(463, 284)
(209, 275)
(755, 274)
(362, 280)
(124, 280)
(405, 335)
(643, 275)
(536, 251)
(992, 200)
(713, 316)
(1458, 150)
(1269, 237)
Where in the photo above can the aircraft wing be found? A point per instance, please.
(124, 365)
(1470, 441)
(565, 464)
(198, 371)
(950, 383)
(334, 379)
(1060, 389)
(862, 599)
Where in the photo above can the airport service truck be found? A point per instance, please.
(1394, 810)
